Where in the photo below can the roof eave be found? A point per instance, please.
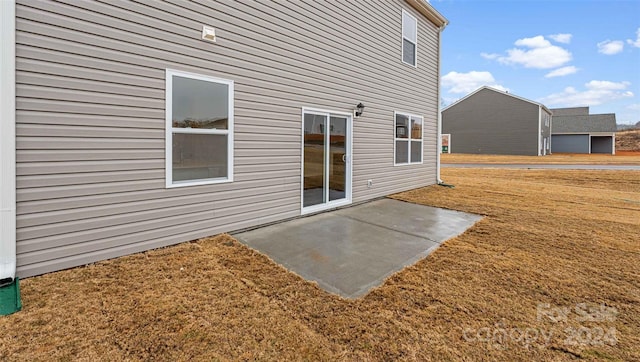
(499, 92)
(429, 12)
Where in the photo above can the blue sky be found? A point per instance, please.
(563, 53)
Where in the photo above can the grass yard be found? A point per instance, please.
(628, 140)
(620, 158)
(551, 273)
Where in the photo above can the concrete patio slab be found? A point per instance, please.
(351, 250)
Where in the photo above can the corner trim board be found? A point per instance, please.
(8, 140)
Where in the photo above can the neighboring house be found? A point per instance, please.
(577, 131)
(490, 121)
(145, 124)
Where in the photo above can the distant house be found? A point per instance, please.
(490, 121)
(577, 131)
(127, 125)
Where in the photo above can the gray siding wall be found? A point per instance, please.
(490, 122)
(601, 144)
(90, 115)
(570, 143)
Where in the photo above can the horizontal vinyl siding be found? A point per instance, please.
(490, 122)
(90, 115)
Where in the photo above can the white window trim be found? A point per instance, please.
(349, 169)
(169, 130)
(415, 55)
(395, 113)
(546, 120)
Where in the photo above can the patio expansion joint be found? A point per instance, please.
(390, 228)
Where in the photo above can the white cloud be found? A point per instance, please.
(489, 56)
(607, 85)
(610, 47)
(561, 38)
(561, 72)
(468, 82)
(597, 92)
(635, 43)
(535, 42)
(536, 52)
(498, 87)
(448, 100)
(634, 107)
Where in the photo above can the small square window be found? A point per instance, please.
(408, 138)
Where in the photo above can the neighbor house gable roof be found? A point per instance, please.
(429, 12)
(584, 123)
(497, 91)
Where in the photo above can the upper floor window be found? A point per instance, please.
(409, 39)
(546, 120)
(199, 129)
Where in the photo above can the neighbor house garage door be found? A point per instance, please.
(601, 144)
(570, 143)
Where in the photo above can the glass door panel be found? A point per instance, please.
(314, 191)
(337, 157)
(326, 170)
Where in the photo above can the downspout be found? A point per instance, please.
(439, 140)
(9, 291)
(539, 129)
(550, 131)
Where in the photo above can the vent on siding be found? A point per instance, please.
(209, 33)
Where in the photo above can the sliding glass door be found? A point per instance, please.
(326, 169)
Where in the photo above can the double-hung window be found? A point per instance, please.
(546, 120)
(409, 39)
(199, 129)
(408, 138)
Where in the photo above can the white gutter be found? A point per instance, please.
(429, 12)
(7, 141)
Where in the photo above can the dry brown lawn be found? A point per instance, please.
(621, 158)
(628, 140)
(554, 244)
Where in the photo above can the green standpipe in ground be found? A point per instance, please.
(10, 298)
